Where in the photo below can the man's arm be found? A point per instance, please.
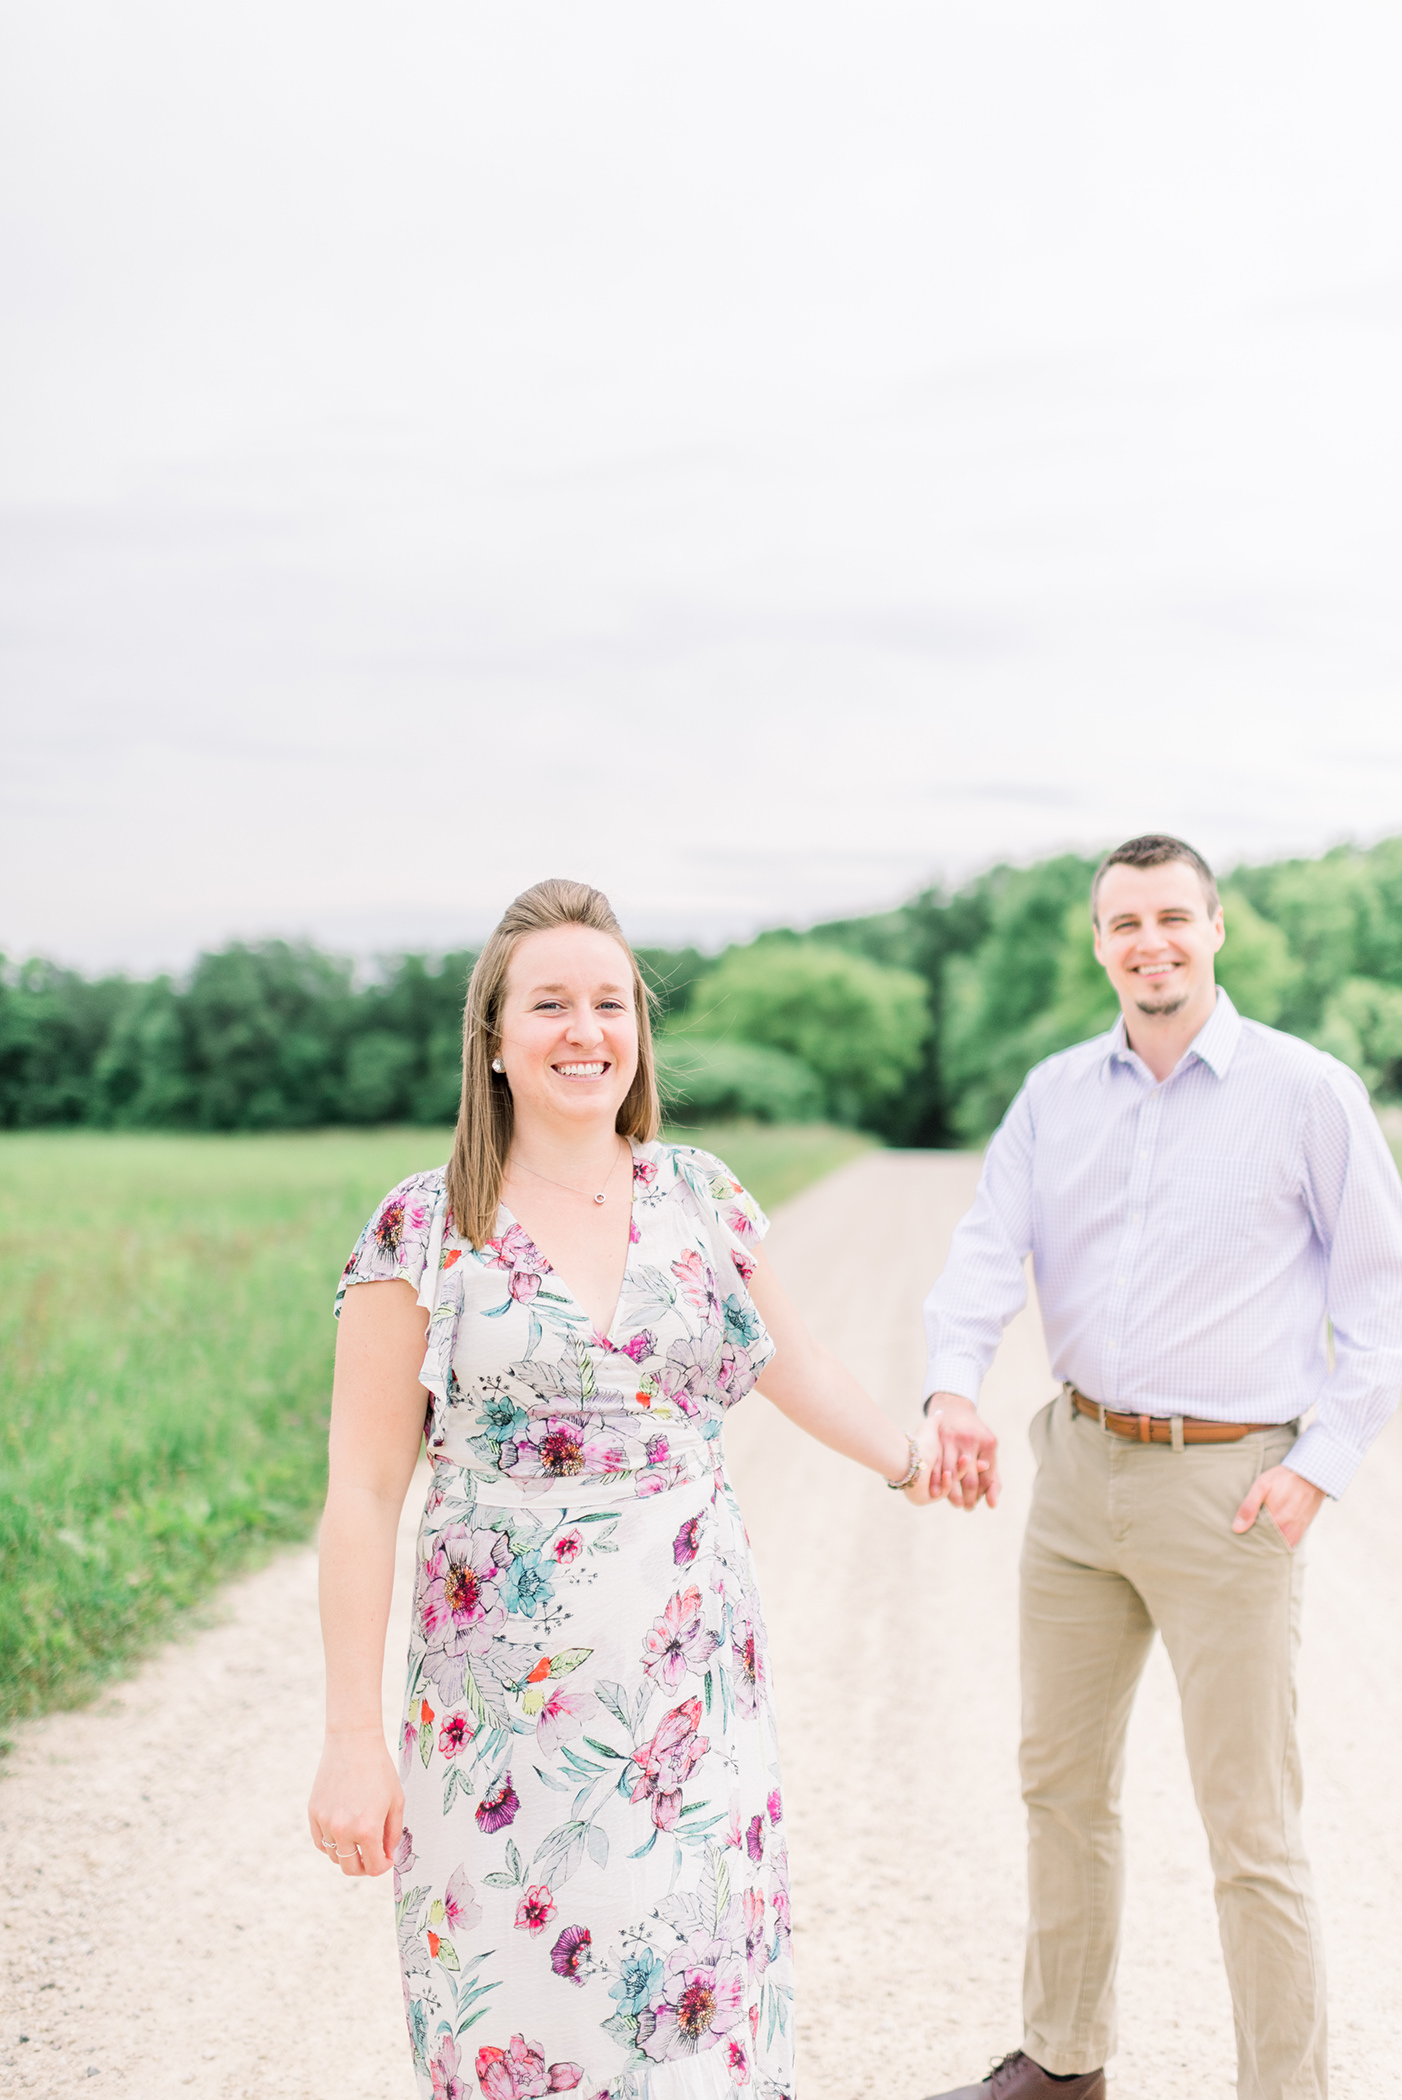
(1355, 1202)
(981, 1287)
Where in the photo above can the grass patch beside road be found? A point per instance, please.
(165, 1364)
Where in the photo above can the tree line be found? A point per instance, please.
(917, 1023)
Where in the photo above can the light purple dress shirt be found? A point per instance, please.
(1193, 1241)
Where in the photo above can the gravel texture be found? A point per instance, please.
(168, 1929)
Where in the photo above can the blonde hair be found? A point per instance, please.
(486, 1117)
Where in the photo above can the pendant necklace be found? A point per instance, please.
(602, 1194)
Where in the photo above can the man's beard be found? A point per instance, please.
(1163, 1009)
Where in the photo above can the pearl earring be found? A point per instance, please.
(497, 1065)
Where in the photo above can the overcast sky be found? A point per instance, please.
(757, 458)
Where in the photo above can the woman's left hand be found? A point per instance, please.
(927, 1486)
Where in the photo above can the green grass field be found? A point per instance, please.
(165, 1364)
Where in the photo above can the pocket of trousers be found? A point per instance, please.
(1039, 1430)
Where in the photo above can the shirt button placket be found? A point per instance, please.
(1145, 1144)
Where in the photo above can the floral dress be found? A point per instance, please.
(592, 1887)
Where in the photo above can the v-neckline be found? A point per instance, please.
(605, 1334)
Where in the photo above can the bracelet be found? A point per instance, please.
(911, 1471)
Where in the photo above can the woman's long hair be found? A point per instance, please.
(486, 1116)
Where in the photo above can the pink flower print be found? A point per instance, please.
(741, 1223)
(694, 1278)
(569, 1957)
(754, 1839)
(517, 1253)
(744, 1267)
(735, 1372)
(658, 1451)
(749, 1672)
(563, 1447)
(735, 1829)
(756, 1951)
(775, 1805)
(568, 1547)
(561, 1717)
(703, 1998)
(687, 1543)
(754, 2023)
(639, 1346)
(689, 1373)
(448, 2082)
(535, 1910)
(418, 1217)
(739, 2065)
(455, 1734)
(388, 1229)
(779, 1868)
(461, 1910)
(633, 1233)
(644, 1173)
(498, 1810)
(678, 1642)
(457, 1609)
(519, 2073)
(657, 1480)
(668, 1761)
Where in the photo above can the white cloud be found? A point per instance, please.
(754, 460)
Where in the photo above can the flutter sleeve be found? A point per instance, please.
(399, 1242)
(739, 1223)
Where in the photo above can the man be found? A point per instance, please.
(1197, 1193)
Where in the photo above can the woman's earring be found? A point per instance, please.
(497, 1065)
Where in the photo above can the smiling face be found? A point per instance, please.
(1156, 937)
(569, 1031)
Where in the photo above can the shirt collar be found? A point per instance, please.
(1214, 1045)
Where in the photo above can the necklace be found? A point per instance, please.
(602, 1194)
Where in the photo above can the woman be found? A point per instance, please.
(586, 1829)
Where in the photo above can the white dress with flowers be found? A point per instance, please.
(592, 1889)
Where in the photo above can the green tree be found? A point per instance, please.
(53, 1025)
(704, 1080)
(1254, 964)
(857, 1025)
(1362, 1025)
(143, 1079)
(1029, 987)
(267, 1028)
(670, 975)
(923, 935)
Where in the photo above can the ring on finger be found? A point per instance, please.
(347, 1855)
(328, 1844)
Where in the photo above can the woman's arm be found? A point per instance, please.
(806, 1382)
(377, 1413)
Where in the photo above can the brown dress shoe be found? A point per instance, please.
(1018, 2078)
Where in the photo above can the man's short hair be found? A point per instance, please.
(1154, 850)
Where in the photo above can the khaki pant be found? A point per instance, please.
(1125, 1539)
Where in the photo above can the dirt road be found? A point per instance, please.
(169, 1931)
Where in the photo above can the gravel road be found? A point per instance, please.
(168, 1929)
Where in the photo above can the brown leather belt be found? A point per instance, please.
(1158, 1429)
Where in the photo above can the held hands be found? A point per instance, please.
(356, 1812)
(1292, 1502)
(967, 1469)
(963, 1454)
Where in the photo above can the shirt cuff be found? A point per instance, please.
(1323, 1458)
(954, 1374)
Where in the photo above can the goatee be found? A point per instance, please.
(1162, 1009)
